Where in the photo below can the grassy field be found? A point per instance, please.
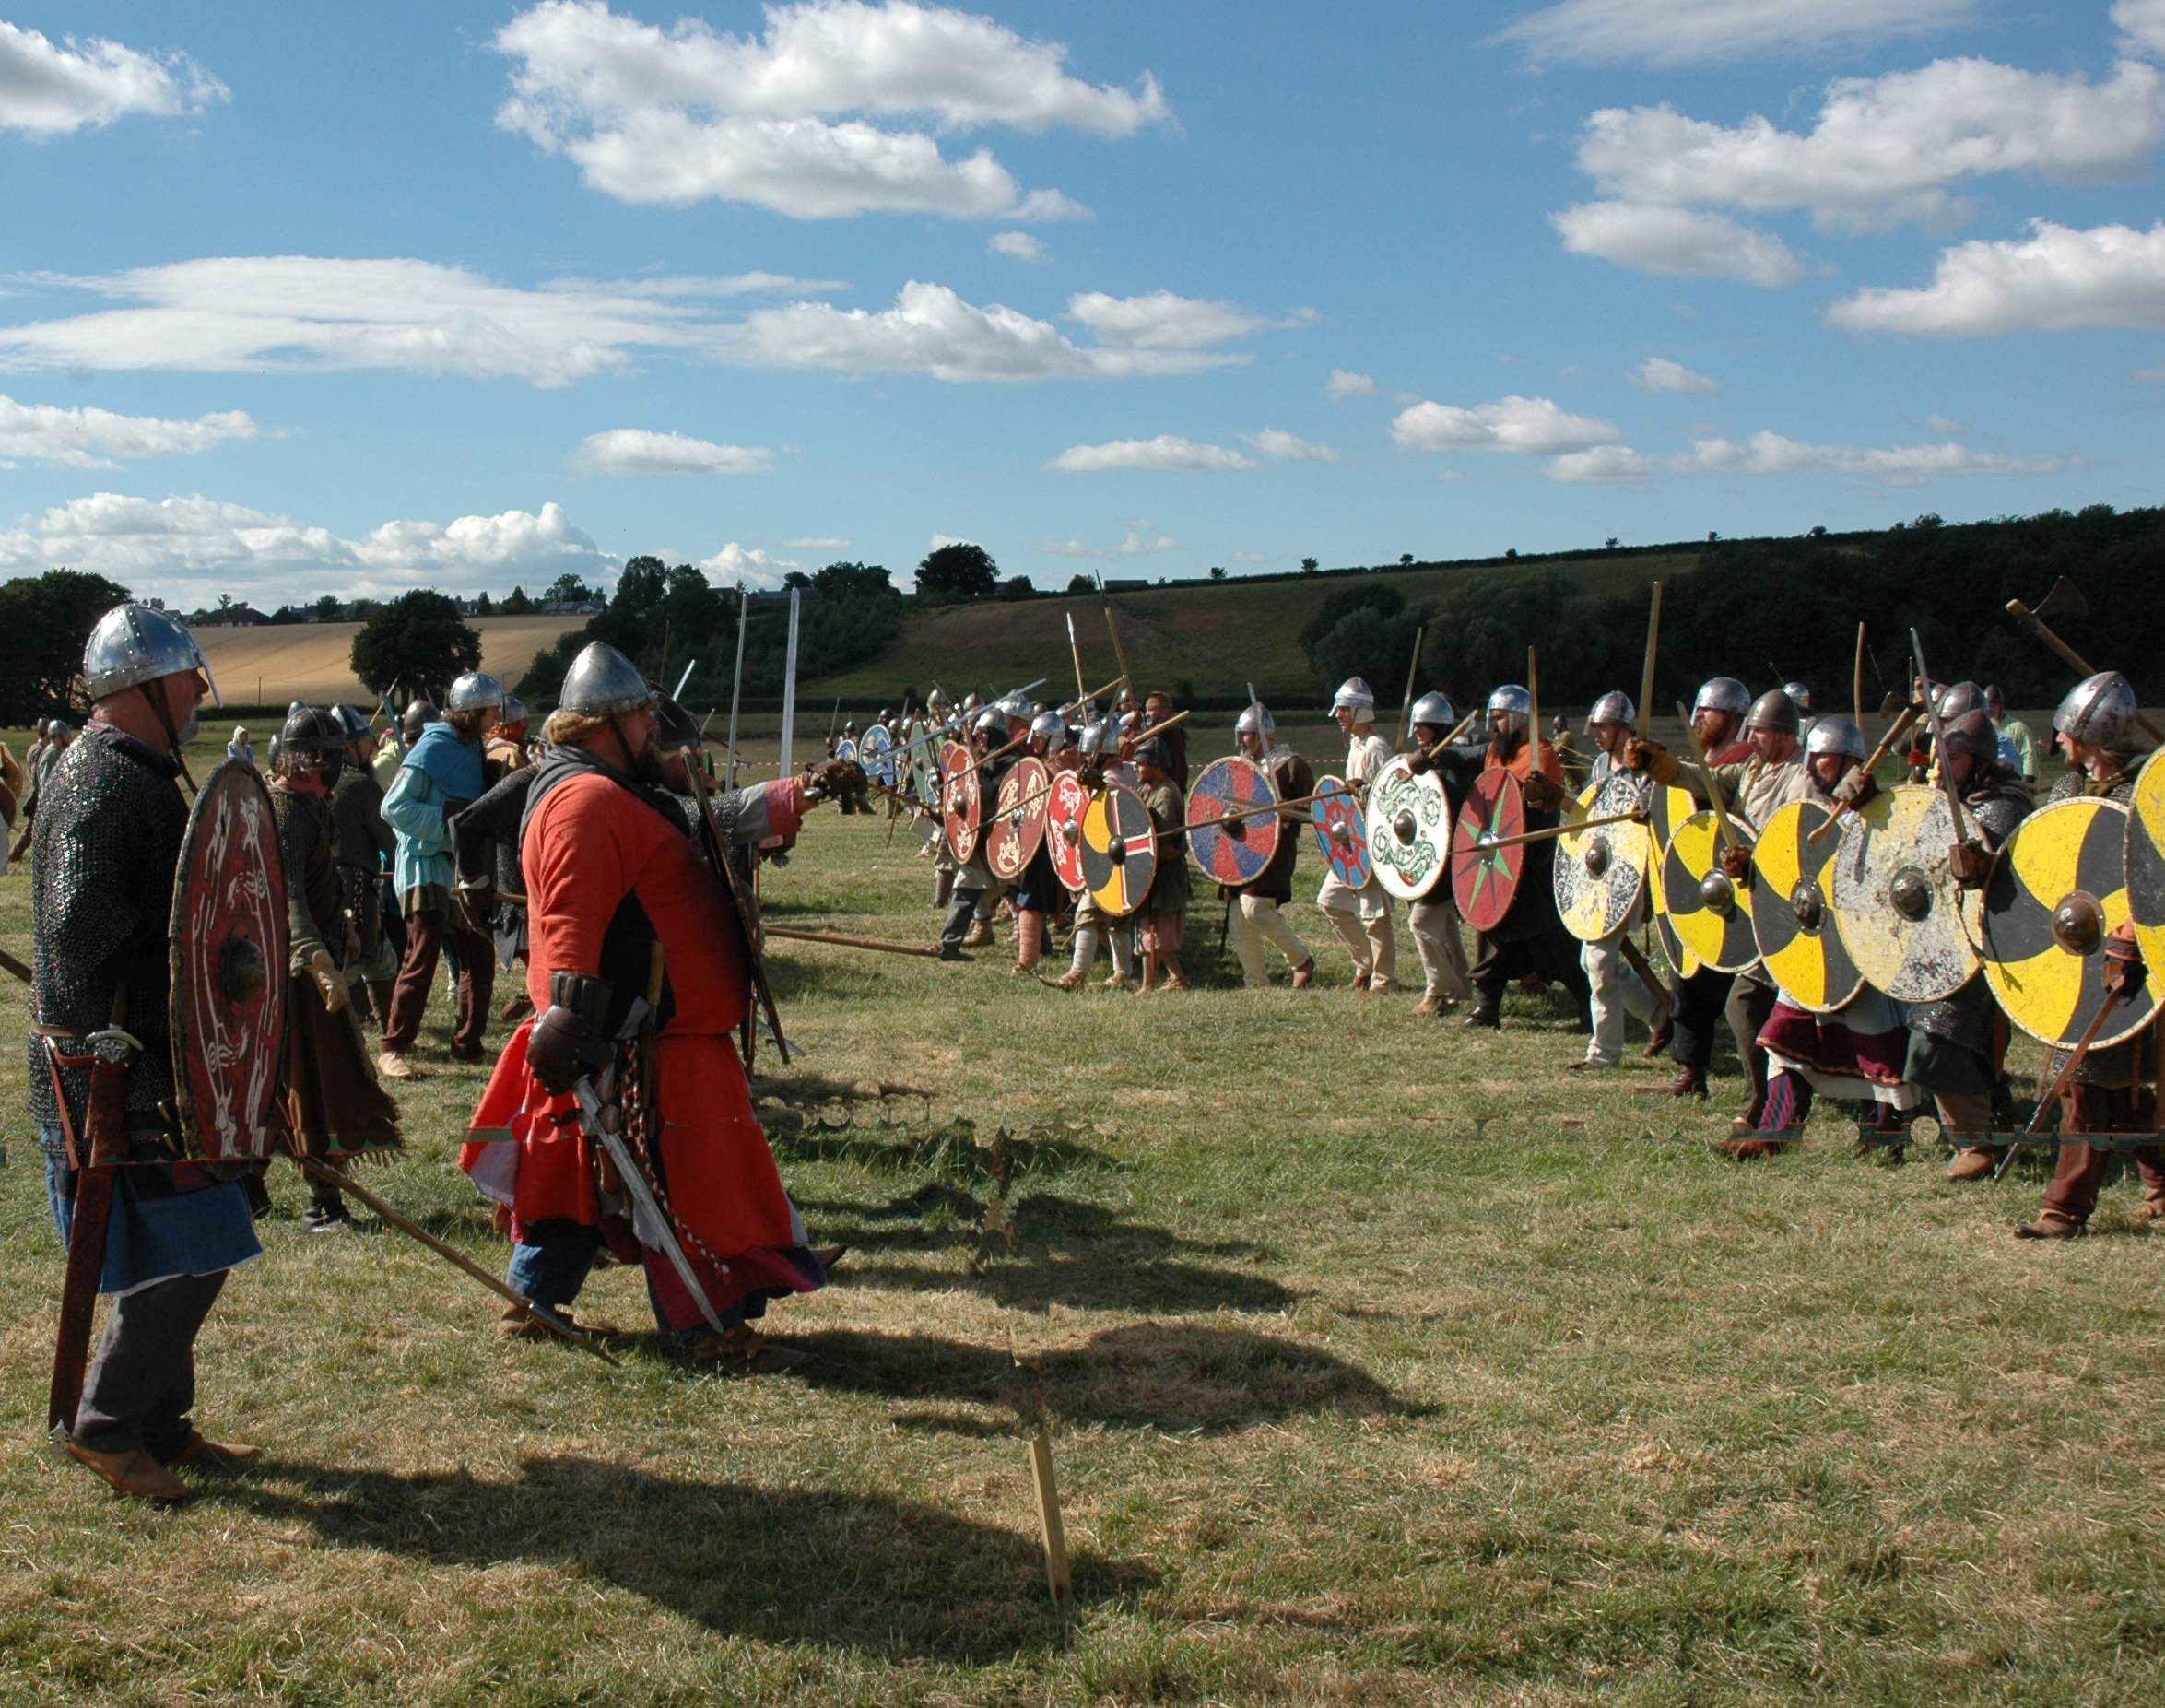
(1385, 1364)
(1216, 638)
(281, 661)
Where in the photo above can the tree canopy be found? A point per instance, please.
(960, 571)
(418, 639)
(47, 618)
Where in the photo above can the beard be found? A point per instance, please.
(649, 767)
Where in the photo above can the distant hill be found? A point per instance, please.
(279, 663)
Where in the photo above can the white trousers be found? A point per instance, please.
(1442, 950)
(1362, 920)
(1616, 991)
(1255, 923)
(1120, 938)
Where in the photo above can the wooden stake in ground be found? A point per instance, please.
(1055, 1534)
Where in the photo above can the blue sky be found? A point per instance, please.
(308, 299)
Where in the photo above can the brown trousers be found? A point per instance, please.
(409, 997)
(2104, 1109)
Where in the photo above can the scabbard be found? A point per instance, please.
(105, 1141)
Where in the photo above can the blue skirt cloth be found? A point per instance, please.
(168, 1220)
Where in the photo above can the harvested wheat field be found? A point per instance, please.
(283, 662)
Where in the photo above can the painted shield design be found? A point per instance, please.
(1600, 874)
(1235, 851)
(1119, 850)
(2145, 862)
(1908, 926)
(962, 805)
(1791, 915)
(877, 754)
(1710, 915)
(228, 945)
(1667, 808)
(2058, 889)
(1341, 832)
(1017, 827)
(1485, 877)
(1408, 828)
(846, 749)
(1064, 807)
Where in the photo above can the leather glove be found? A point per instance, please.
(1653, 761)
(1544, 793)
(329, 980)
(567, 1044)
(2124, 956)
(1970, 861)
(1736, 863)
(1420, 764)
(1854, 790)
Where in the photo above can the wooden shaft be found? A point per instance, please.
(2037, 626)
(318, 1170)
(1857, 680)
(1412, 676)
(1251, 812)
(1558, 829)
(10, 964)
(1458, 731)
(1081, 698)
(1534, 707)
(1119, 652)
(1637, 961)
(2076, 1060)
(1654, 636)
(843, 942)
(1713, 789)
(1075, 652)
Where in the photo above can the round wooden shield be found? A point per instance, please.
(1233, 852)
(1666, 809)
(227, 943)
(877, 754)
(1485, 877)
(1408, 829)
(1711, 915)
(1340, 831)
(2145, 862)
(1791, 914)
(846, 749)
(2058, 889)
(1064, 807)
(1017, 827)
(1600, 874)
(1909, 928)
(961, 804)
(1119, 850)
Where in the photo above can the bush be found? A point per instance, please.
(419, 640)
(959, 572)
(1385, 601)
(47, 618)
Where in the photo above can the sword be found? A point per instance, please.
(681, 681)
(98, 1168)
(642, 1194)
(1413, 673)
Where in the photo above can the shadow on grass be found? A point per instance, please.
(769, 1563)
(1178, 1377)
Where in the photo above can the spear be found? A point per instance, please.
(1654, 635)
(2112, 1000)
(744, 605)
(1412, 676)
(1075, 652)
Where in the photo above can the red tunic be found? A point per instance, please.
(589, 844)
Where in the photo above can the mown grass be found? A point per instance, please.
(1384, 1363)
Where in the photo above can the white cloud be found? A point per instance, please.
(1676, 32)
(1021, 245)
(49, 91)
(2142, 23)
(1161, 321)
(1254, 557)
(1344, 384)
(734, 566)
(817, 542)
(2057, 280)
(1134, 545)
(1271, 441)
(1658, 374)
(626, 450)
(1771, 454)
(932, 330)
(1887, 148)
(301, 312)
(679, 115)
(192, 548)
(1676, 242)
(1168, 451)
(1942, 424)
(1530, 426)
(91, 438)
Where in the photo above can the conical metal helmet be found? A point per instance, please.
(1776, 711)
(472, 692)
(1724, 694)
(1245, 725)
(1354, 694)
(1515, 703)
(602, 682)
(1836, 733)
(1434, 710)
(137, 643)
(1614, 707)
(2100, 710)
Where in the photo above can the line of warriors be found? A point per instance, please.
(1894, 1059)
(598, 860)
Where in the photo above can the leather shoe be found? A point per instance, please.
(746, 1349)
(135, 1472)
(1587, 1065)
(827, 1256)
(1689, 1082)
(1483, 1018)
(1975, 1164)
(1748, 1149)
(204, 1454)
(391, 1065)
(1304, 974)
(2051, 1225)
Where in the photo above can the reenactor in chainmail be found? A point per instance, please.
(2115, 1089)
(107, 844)
(333, 1105)
(364, 847)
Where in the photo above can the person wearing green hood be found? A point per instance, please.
(442, 773)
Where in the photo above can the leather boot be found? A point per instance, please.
(1689, 1082)
(1660, 1041)
(2051, 1225)
(1484, 1019)
(1975, 1164)
(1748, 1149)
(1430, 1003)
(135, 1472)
(1304, 974)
